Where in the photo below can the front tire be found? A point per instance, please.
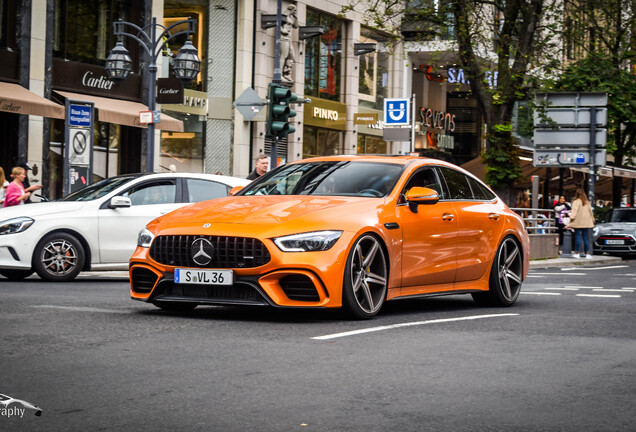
(16, 275)
(58, 257)
(506, 276)
(366, 278)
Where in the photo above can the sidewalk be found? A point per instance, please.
(568, 262)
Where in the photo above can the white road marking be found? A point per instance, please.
(599, 295)
(82, 309)
(563, 289)
(583, 287)
(409, 324)
(539, 293)
(567, 269)
(558, 274)
(613, 290)
(534, 276)
(628, 288)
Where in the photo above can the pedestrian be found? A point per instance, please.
(16, 194)
(26, 183)
(523, 202)
(3, 186)
(582, 220)
(561, 207)
(261, 168)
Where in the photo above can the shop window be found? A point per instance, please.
(183, 151)
(175, 11)
(323, 57)
(321, 142)
(369, 144)
(8, 23)
(373, 84)
(83, 29)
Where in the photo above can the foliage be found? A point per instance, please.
(514, 37)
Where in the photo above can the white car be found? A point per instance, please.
(96, 227)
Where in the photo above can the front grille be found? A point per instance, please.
(143, 280)
(229, 252)
(300, 288)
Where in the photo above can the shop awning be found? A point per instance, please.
(16, 99)
(123, 112)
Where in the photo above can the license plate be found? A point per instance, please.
(203, 277)
(616, 242)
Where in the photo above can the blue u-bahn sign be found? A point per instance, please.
(396, 112)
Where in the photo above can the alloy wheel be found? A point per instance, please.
(59, 257)
(509, 269)
(368, 274)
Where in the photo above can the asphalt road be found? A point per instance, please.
(562, 359)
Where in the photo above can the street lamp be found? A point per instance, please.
(153, 38)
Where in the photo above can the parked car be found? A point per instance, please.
(616, 233)
(96, 227)
(333, 232)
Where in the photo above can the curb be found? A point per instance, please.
(570, 262)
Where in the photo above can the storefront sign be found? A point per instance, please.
(326, 114)
(194, 102)
(169, 90)
(365, 118)
(437, 119)
(93, 80)
(456, 75)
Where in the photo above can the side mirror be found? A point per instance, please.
(235, 190)
(422, 195)
(119, 202)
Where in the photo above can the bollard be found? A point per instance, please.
(567, 244)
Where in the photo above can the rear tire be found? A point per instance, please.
(16, 275)
(58, 257)
(506, 276)
(366, 278)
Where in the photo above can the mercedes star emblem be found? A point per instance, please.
(202, 251)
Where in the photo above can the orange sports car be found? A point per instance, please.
(346, 232)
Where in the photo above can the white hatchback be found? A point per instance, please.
(96, 227)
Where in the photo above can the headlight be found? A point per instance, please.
(595, 231)
(145, 238)
(308, 242)
(15, 225)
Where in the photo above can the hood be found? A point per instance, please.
(273, 210)
(38, 209)
(617, 226)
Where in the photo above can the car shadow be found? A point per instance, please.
(391, 309)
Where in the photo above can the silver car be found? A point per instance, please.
(616, 233)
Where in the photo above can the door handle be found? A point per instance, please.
(448, 217)
(493, 216)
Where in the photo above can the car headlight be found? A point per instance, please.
(15, 225)
(308, 242)
(595, 231)
(145, 237)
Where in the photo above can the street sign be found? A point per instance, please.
(249, 104)
(79, 153)
(572, 99)
(145, 117)
(156, 116)
(563, 158)
(569, 117)
(396, 112)
(80, 115)
(568, 137)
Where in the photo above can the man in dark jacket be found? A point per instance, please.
(261, 168)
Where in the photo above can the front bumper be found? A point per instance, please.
(16, 250)
(304, 279)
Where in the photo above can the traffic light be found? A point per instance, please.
(279, 111)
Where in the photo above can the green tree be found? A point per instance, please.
(513, 37)
(601, 34)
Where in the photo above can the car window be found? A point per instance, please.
(425, 177)
(457, 183)
(480, 192)
(623, 215)
(203, 190)
(157, 192)
(99, 189)
(345, 178)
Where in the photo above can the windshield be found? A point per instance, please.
(623, 215)
(98, 189)
(344, 178)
